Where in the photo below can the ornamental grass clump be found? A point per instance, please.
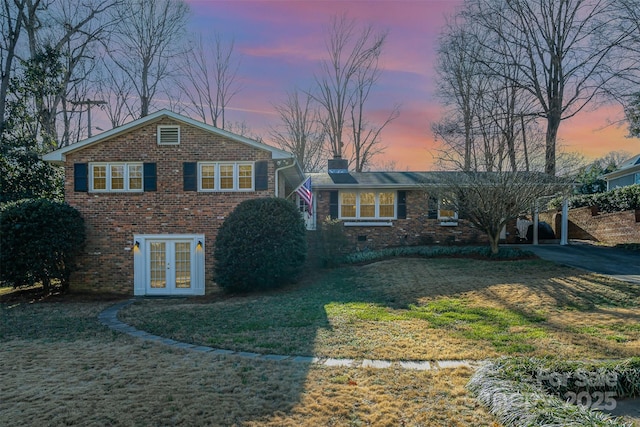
(524, 392)
(261, 245)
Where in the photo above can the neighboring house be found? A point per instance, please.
(627, 174)
(153, 194)
(384, 209)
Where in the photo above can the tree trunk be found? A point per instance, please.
(553, 123)
(494, 240)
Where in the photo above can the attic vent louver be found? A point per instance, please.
(168, 135)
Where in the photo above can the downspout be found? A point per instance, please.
(277, 173)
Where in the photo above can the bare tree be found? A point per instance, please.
(567, 60)
(459, 83)
(69, 31)
(211, 78)
(300, 131)
(11, 26)
(365, 136)
(488, 118)
(627, 91)
(348, 53)
(242, 128)
(114, 86)
(147, 43)
(491, 199)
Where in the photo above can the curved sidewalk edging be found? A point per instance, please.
(109, 318)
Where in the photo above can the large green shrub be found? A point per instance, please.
(39, 241)
(261, 245)
(616, 200)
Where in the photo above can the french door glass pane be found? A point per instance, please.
(157, 267)
(183, 264)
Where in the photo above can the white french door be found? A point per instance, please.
(168, 265)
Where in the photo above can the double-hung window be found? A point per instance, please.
(367, 204)
(115, 177)
(225, 176)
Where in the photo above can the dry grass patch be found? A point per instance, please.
(127, 382)
(418, 309)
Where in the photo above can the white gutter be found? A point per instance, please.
(278, 174)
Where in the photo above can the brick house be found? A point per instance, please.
(153, 194)
(627, 174)
(386, 209)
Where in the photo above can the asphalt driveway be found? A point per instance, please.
(620, 263)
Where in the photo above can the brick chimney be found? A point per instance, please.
(338, 165)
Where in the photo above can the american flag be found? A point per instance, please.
(304, 191)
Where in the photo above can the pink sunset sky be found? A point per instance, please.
(281, 43)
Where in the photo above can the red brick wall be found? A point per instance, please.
(416, 229)
(587, 224)
(113, 218)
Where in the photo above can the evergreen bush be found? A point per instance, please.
(333, 242)
(261, 245)
(616, 200)
(40, 239)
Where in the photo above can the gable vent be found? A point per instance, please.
(168, 135)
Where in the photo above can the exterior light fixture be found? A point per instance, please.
(137, 245)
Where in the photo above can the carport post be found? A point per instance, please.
(564, 230)
(535, 224)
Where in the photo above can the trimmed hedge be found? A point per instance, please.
(261, 245)
(616, 200)
(438, 252)
(40, 240)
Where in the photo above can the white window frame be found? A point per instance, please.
(377, 205)
(236, 177)
(159, 134)
(108, 186)
(446, 219)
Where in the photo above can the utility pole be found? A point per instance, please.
(88, 103)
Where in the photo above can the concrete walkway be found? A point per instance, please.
(109, 318)
(619, 263)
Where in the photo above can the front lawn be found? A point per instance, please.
(59, 367)
(417, 309)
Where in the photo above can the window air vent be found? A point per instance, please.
(168, 135)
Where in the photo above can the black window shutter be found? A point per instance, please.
(402, 204)
(80, 177)
(261, 175)
(149, 177)
(432, 208)
(190, 176)
(333, 204)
